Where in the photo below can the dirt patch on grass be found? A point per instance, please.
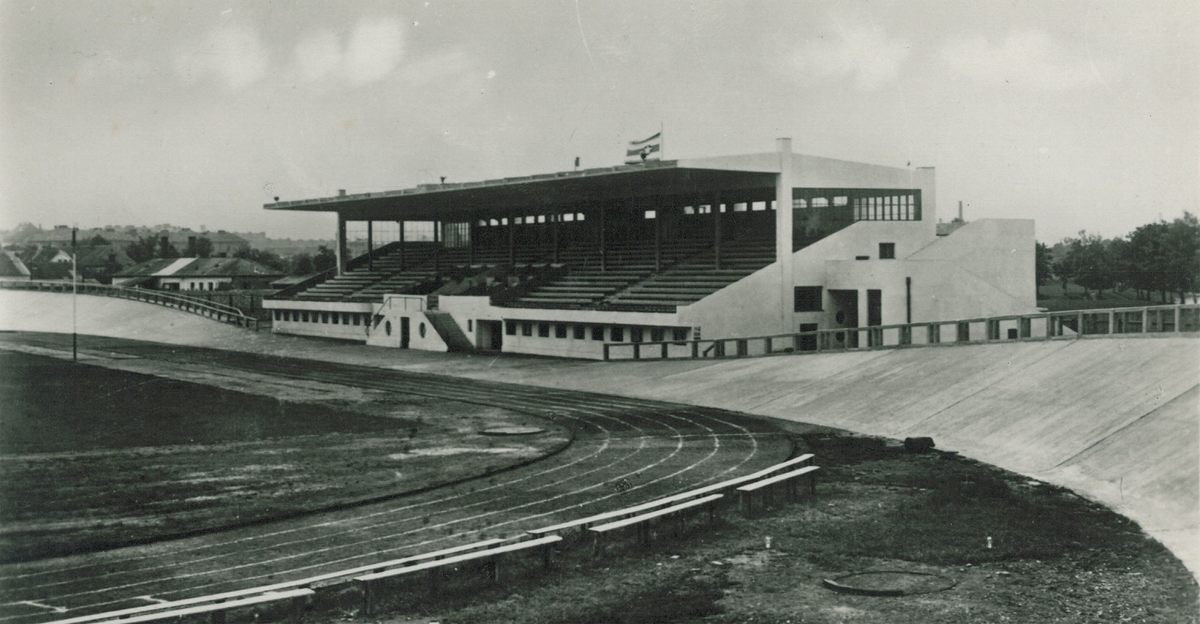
(134, 458)
(1053, 556)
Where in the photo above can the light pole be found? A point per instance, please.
(74, 297)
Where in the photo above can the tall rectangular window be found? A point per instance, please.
(635, 334)
(598, 332)
(560, 330)
(807, 299)
(887, 251)
(543, 330)
(618, 334)
(579, 332)
(527, 328)
(510, 328)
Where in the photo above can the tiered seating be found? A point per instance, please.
(384, 265)
(586, 284)
(696, 278)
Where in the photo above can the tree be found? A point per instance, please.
(199, 247)
(1041, 265)
(265, 258)
(302, 264)
(325, 259)
(1090, 264)
(1147, 258)
(97, 241)
(1182, 255)
(142, 249)
(166, 249)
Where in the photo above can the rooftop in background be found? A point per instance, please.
(199, 267)
(12, 267)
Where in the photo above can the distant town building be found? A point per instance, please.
(11, 267)
(197, 274)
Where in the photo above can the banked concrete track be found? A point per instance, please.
(1115, 419)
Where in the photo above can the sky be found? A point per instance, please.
(1081, 115)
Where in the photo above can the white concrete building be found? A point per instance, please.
(661, 252)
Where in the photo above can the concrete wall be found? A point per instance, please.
(317, 326)
(394, 309)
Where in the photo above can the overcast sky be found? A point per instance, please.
(1079, 115)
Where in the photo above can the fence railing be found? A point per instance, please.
(1062, 325)
(209, 309)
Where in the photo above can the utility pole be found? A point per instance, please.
(74, 297)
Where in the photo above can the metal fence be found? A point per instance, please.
(209, 309)
(1065, 325)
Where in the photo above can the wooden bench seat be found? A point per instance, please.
(206, 604)
(747, 491)
(366, 581)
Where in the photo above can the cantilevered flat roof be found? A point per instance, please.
(502, 196)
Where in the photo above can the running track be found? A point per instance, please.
(659, 448)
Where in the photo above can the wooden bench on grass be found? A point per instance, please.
(747, 491)
(305, 583)
(217, 610)
(642, 521)
(435, 567)
(587, 522)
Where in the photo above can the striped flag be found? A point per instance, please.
(647, 149)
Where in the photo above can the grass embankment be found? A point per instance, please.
(94, 458)
(1054, 557)
(1054, 298)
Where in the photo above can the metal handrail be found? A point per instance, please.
(209, 309)
(875, 333)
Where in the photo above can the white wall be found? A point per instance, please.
(397, 307)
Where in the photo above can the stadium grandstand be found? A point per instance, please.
(560, 264)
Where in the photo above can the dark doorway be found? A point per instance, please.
(845, 317)
(404, 332)
(495, 331)
(874, 317)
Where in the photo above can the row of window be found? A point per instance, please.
(330, 318)
(614, 333)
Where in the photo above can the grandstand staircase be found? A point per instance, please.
(449, 330)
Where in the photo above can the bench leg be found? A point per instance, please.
(492, 568)
(596, 546)
(812, 483)
(296, 609)
(747, 504)
(547, 551)
(368, 594)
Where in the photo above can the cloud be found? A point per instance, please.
(111, 69)
(1029, 59)
(317, 56)
(374, 50)
(233, 55)
(862, 51)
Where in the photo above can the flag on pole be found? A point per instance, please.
(649, 148)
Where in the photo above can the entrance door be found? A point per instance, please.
(404, 332)
(874, 317)
(497, 330)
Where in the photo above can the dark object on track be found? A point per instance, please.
(889, 583)
(918, 445)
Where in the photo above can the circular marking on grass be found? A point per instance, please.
(889, 583)
(514, 430)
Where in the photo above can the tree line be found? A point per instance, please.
(150, 247)
(1161, 257)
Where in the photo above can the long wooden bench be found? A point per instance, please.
(586, 522)
(791, 478)
(216, 609)
(490, 555)
(303, 583)
(642, 521)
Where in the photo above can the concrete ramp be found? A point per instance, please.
(448, 329)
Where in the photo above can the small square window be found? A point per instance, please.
(598, 332)
(618, 334)
(807, 299)
(679, 333)
(560, 330)
(543, 330)
(357, 319)
(325, 317)
(656, 334)
(887, 251)
(335, 318)
(579, 332)
(527, 328)
(510, 328)
(635, 334)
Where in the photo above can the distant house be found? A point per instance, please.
(101, 262)
(11, 267)
(197, 274)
